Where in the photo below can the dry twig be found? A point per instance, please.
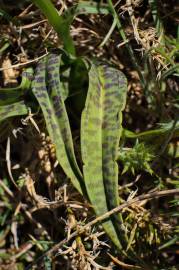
(119, 208)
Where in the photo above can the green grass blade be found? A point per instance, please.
(51, 101)
(100, 134)
(157, 20)
(85, 7)
(5, 15)
(173, 70)
(164, 130)
(107, 37)
(128, 47)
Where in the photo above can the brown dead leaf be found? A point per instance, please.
(9, 75)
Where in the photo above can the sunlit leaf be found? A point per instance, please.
(100, 134)
(15, 109)
(50, 94)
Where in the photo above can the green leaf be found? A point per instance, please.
(100, 134)
(50, 94)
(7, 111)
(15, 109)
(85, 7)
(136, 158)
(163, 130)
(11, 95)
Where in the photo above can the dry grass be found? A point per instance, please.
(45, 208)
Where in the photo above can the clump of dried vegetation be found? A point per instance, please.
(39, 207)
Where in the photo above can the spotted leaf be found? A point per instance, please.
(100, 135)
(12, 95)
(50, 94)
(14, 109)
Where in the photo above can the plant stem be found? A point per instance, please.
(58, 23)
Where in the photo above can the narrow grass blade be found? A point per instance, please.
(86, 7)
(107, 37)
(47, 90)
(163, 130)
(157, 20)
(174, 71)
(100, 134)
(5, 15)
(128, 47)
